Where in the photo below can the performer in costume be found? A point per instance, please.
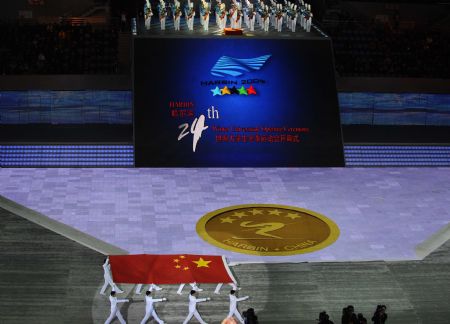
(162, 14)
(251, 17)
(149, 309)
(222, 16)
(190, 16)
(233, 14)
(309, 17)
(176, 10)
(239, 15)
(148, 14)
(279, 17)
(233, 306)
(204, 13)
(115, 312)
(294, 15)
(217, 12)
(193, 307)
(108, 278)
(265, 16)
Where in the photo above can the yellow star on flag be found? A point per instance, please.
(227, 220)
(293, 215)
(275, 212)
(182, 256)
(202, 263)
(186, 268)
(178, 266)
(176, 260)
(239, 214)
(225, 90)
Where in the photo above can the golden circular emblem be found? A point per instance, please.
(265, 229)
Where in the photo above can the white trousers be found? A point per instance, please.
(308, 25)
(279, 23)
(108, 281)
(237, 315)
(149, 315)
(190, 23)
(196, 315)
(252, 23)
(205, 23)
(148, 23)
(176, 23)
(114, 314)
(266, 24)
(163, 23)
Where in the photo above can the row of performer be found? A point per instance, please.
(149, 300)
(264, 14)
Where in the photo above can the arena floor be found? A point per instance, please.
(382, 213)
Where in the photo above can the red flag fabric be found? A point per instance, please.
(169, 269)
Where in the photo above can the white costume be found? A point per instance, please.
(205, 11)
(251, 17)
(233, 307)
(177, 13)
(193, 285)
(150, 311)
(193, 309)
(115, 310)
(162, 14)
(309, 20)
(151, 287)
(190, 16)
(265, 19)
(148, 15)
(108, 279)
(222, 16)
(279, 18)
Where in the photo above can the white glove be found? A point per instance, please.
(208, 298)
(164, 299)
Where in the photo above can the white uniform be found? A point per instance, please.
(115, 310)
(193, 309)
(150, 311)
(205, 15)
(190, 16)
(162, 14)
(108, 279)
(177, 13)
(233, 307)
(222, 16)
(150, 288)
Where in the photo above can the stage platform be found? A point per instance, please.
(215, 32)
(382, 213)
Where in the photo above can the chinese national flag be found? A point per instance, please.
(169, 269)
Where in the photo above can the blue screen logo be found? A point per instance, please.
(230, 66)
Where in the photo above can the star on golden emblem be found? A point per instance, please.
(202, 263)
(274, 212)
(227, 220)
(293, 215)
(256, 212)
(239, 214)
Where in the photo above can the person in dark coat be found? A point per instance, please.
(380, 316)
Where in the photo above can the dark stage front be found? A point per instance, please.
(235, 102)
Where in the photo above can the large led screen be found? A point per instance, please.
(235, 102)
